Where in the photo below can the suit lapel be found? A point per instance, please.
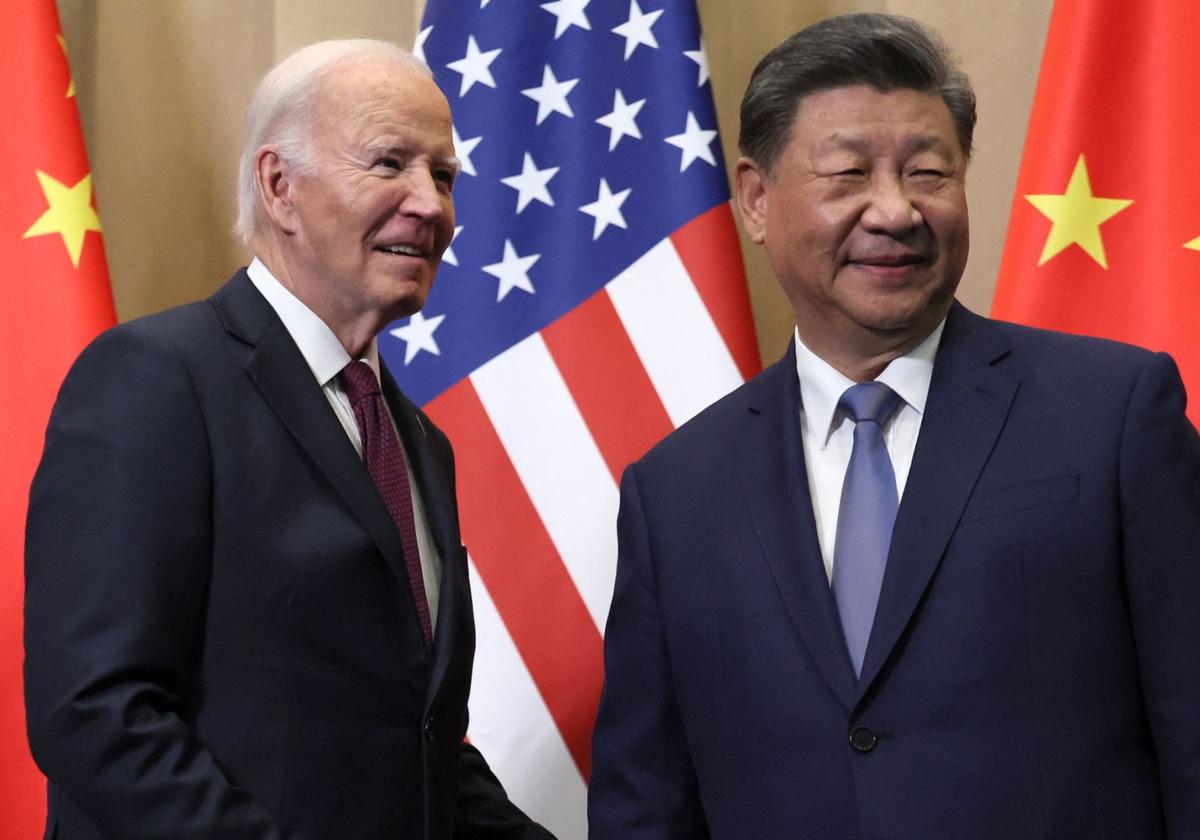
(430, 475)
(969, 400)
(774, 483)
(440, 518)
(281, 375)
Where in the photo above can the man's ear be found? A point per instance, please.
(275, 180)
(753, 197)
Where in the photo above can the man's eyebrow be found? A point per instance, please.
(401, 150)
(925, 142)
(843, 142)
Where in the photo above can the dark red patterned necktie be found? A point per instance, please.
(385, 462)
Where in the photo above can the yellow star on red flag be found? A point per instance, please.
(1077, 215)
(70, 213)
(1194, 244)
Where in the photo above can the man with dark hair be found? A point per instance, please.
(930, 576)
(247, 608)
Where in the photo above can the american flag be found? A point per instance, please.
(592, 300)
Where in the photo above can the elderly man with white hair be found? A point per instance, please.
(247, 606)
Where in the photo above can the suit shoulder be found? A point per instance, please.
(179, 328)
(173, 334)
(1056, 348)
(1096, 375)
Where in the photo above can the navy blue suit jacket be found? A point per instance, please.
(1034, 666)
(220, 636)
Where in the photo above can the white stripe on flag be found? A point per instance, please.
(559, 463)
(512, 727)
(675, 337)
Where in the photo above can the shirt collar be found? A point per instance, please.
(822, 385)
(320, 347)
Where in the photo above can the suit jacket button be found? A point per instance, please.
(863, 739)
(429, 734)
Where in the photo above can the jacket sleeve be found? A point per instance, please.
(484, 811)
(1160, 504)
(117, 563)
(642, 785)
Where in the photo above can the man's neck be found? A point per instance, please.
(355, 331)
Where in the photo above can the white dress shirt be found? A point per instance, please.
(828, 434)
(326, 357)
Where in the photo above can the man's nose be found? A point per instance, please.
(890, 210)
(423, 197)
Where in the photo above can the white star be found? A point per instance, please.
(474, 66)
(483, 3)
(620, 120)
(449, 256)
(512, 271)
(569, 13)
(551, 96)
(695, 143)
(606, 209)
(418, 49)
(699, 56)
(531, 183)
(463, 149)
(636, 30)
(417, 335)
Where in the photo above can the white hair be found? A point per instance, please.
(283, 107)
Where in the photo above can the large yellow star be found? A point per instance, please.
(1077, 216)
(70, 213)
(62, 42)
(1194, 244)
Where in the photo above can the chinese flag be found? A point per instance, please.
(55, 298)
(1104, 236)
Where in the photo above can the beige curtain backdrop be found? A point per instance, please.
(162, 86)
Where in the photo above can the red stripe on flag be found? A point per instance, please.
(709, 248)
(606, 379)
(534, 594)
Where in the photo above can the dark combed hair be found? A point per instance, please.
(886, 52)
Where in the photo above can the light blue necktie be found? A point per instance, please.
(866, 516)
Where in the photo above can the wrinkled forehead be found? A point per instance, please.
(849, 116)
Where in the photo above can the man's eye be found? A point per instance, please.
(388, 163)
(927, 173)
(444, 177)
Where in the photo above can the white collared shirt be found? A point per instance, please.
(326, 357)
(828, 434)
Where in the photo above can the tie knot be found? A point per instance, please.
(359, 381)
(870, 401)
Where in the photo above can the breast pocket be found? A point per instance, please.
(1000, 499)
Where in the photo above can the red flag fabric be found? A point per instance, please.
(56, 297)
(1104, 236)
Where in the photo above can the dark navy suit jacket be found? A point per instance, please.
(220, 637)
(1034, 666)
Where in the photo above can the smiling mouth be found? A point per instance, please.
(401, 250)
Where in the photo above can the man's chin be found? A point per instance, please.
(408, 306)
(904, 328)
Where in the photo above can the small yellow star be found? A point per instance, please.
(70, 213)
(1077, 215)
(1194, 244)
(62, 42)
